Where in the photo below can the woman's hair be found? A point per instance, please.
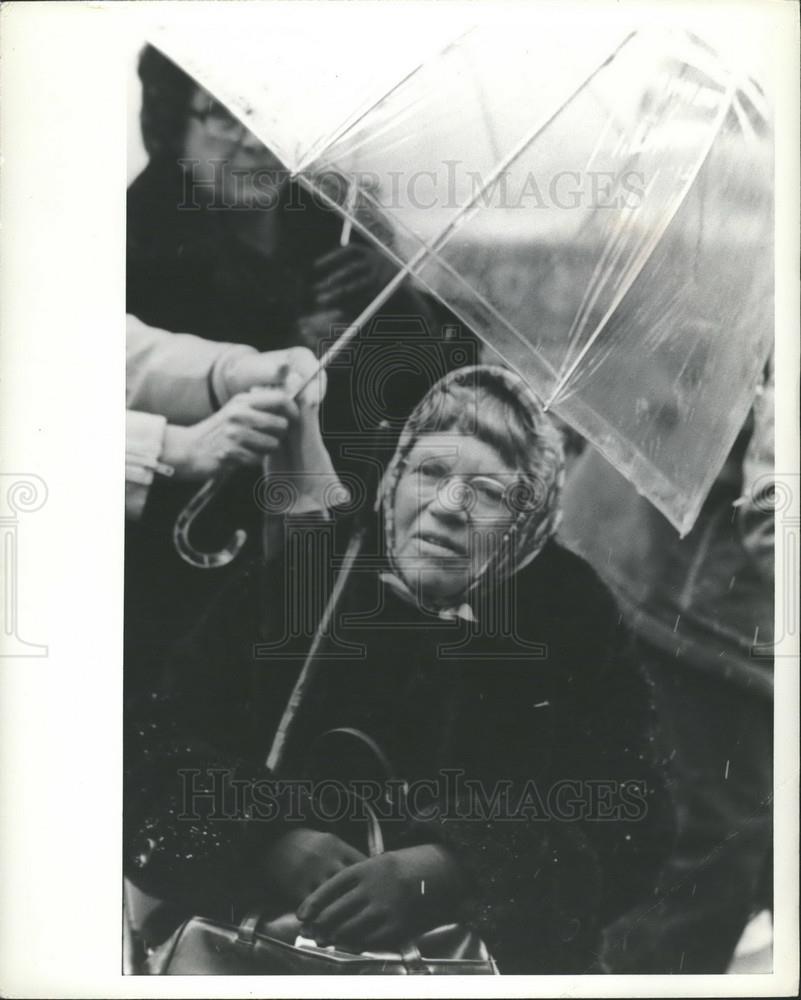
(166, 94)
(478, 403)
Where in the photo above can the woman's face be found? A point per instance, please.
(451, 512)
(228, 166)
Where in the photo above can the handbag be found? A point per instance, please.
(202, 946)
(207, 947)
(256, 946)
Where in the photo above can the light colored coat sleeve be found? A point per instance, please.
(170, 377)
(176, 375)
(144, 439)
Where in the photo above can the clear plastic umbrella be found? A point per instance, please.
(611, 237)
(603, 222)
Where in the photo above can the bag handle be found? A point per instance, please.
(361, 738)
(409, 952)
(375, 836)
(246, 935)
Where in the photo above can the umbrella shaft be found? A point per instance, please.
(361, 319)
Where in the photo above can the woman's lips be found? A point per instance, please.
(440, 542)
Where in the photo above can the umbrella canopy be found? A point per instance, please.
(298, 79)
(603, 222)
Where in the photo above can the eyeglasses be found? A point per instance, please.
(481, 497)
(219, 123)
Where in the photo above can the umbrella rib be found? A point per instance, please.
(491, 309)
(520, 148)
(426, 252)
(350, 123)
(648, 249)
(459, 218)
(434, 254)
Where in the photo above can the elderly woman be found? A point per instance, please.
(487, 662)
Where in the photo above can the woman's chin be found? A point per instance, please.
(435, 589)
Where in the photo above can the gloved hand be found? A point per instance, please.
(349, 277)
(242, 369)
(248, 427)
(299, 478)
(303, 859)
(319, 330)
(381, 901)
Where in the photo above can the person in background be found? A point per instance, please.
(702, 610)
(222, 244)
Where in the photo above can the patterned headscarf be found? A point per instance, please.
(539, 459)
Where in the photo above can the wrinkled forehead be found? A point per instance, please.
(460, 454)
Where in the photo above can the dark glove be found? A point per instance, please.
(382, 901)
(303, 860)
(319, 330)
(350, 277)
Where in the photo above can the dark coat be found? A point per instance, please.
(539, 696)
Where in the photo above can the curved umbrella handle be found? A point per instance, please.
(210, 489)
(183, 524)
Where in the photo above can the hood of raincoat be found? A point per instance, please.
(535, 500)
